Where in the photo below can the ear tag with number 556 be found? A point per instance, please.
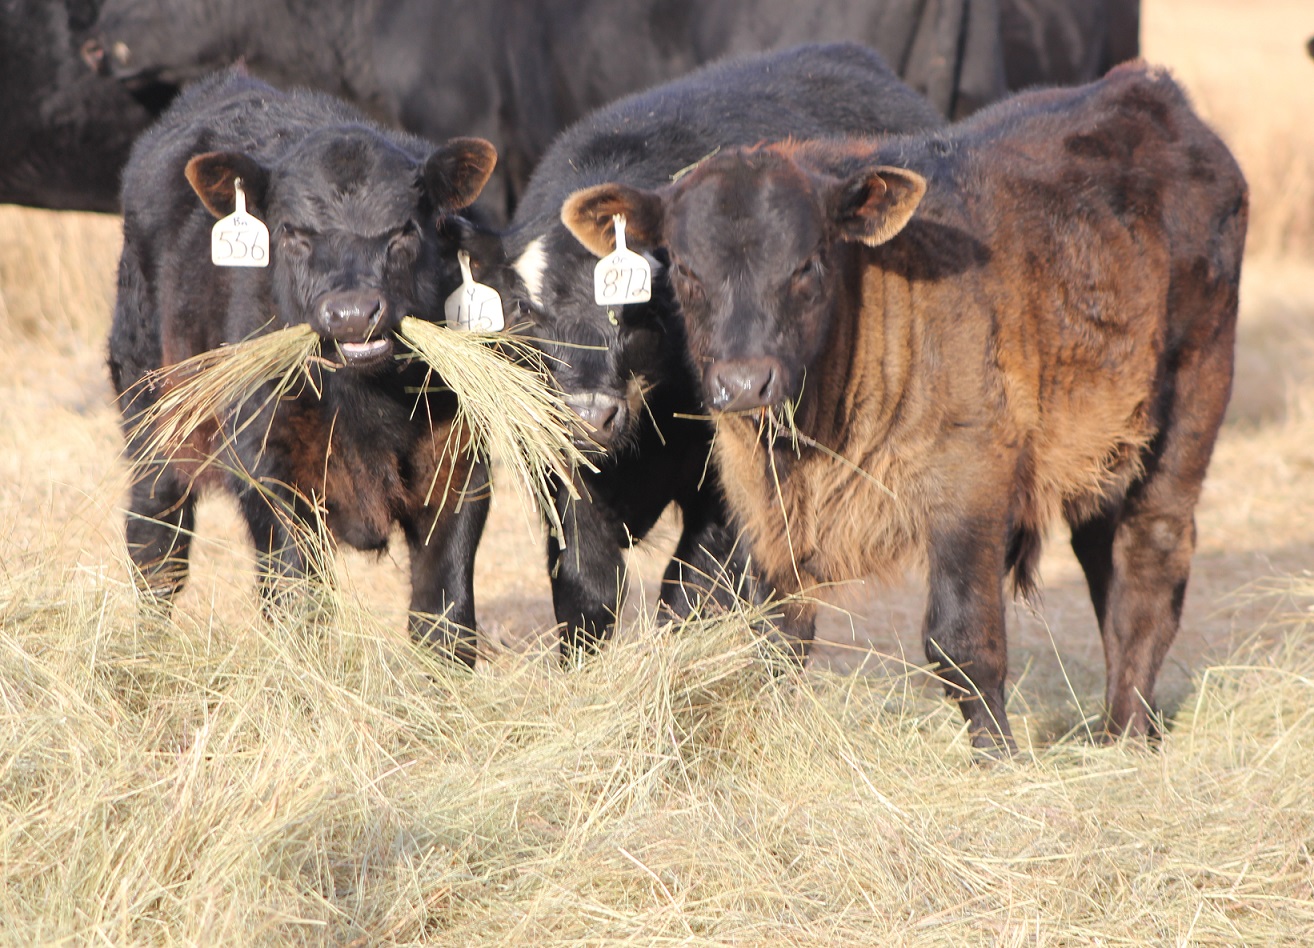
(239, 240)
(474, 306)
(622, 276)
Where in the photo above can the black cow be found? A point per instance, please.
(1066, 42)
(64, 134)
(518, 71)
(623, 368)
(356, 217)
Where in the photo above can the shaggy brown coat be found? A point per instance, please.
(1031, 316)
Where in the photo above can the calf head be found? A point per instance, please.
(353, 226)
(756, 239)
(609, 361)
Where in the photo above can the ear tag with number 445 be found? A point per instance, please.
(474, 306)
(239, 240)
(622, 276)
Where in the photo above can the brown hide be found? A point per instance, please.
(362, 492)
(1049, 337)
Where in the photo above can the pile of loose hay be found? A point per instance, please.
(248, 784)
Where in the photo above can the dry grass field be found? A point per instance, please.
(218, 779)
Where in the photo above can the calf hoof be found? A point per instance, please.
(447, 639)
(1145, 728)
(989, 747)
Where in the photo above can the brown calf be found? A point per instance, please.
(1028, 316)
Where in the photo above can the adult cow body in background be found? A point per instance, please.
(518, 71)
(1030, 316)
(64, 134)
(623, 367)
(354, 213)
(1066, 42)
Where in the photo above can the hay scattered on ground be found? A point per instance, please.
(202, 783)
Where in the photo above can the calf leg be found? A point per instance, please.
(964, 632)
(587, 574)
(161, 520)
(712, 567)
(289, 557)
(708, 566)
(443, 545)
(1151, 560)
(1137, 555)
(1137, 558)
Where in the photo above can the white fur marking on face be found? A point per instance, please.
(531, 266)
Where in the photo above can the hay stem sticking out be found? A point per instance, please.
(505, 400)
(211, 384)
(506, 407)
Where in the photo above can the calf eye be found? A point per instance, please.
(806, 278)
(526, 312)
(295, 240)
(688, 286)
(405, 243)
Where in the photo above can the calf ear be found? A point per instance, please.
(876, 204)
(212, 177)
(457, 171)
(588, 215)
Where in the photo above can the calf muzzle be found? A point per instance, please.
(357, 321)
(745, 384)
(604, 418)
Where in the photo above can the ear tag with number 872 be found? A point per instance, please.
(239, 240)
(622, 276)
(474, 306)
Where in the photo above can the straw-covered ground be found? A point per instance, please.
(217, 783)
(220, 779)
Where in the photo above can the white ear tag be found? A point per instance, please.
(622, 276)
(239, 240)
(474, 306)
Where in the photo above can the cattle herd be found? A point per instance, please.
(891, 314)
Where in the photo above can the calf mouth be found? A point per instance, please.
(358, 322)
(369, 352)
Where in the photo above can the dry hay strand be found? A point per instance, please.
(238, 783)
(505, 402)
(213, 384)
(505, 399)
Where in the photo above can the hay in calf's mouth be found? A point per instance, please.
(505, 401)
(512, 410)
(212, 383)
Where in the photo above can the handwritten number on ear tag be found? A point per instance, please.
(473, 306)
(239, 240)
(622, 276)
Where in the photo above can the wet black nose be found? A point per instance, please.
(741, 384)
(93, 54)
(604, 416)
(351, 315)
